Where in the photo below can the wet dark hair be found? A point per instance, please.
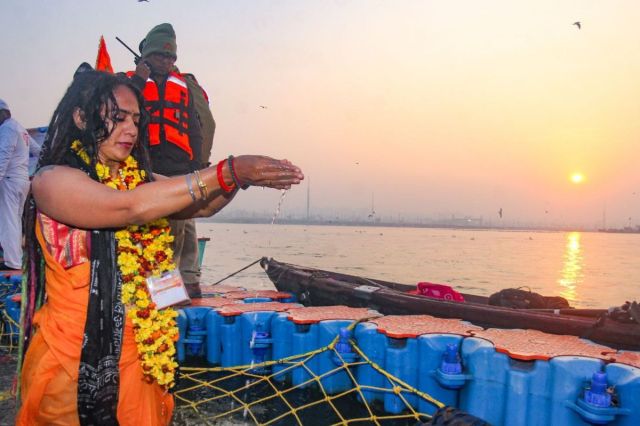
(92, 94)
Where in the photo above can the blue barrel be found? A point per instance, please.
(374, 346)
(309, 337)
(198, 333)
(610, 397)
(501, 387)
(214, 346)
(401, 362)
(505, 391)
(246, 338)
(433, 378)
(627, 389)
(283, 330)
(415, 361)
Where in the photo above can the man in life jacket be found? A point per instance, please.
(175, 135)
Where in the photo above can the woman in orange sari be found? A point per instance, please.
(98, 349)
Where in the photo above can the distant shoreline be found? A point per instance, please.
(621, 231)
(283, 221)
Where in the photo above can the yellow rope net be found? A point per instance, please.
(9, 333)
(264, 395)
(240, 394)
(9, 328)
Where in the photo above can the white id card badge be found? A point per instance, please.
(167, 289)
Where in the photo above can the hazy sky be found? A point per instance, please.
(433, 108)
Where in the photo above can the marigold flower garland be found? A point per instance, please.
(143, 251)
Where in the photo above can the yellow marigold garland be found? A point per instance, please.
(143, 251)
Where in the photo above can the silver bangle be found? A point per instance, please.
(190, 186)
(201, 184)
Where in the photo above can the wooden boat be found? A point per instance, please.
(315, 287)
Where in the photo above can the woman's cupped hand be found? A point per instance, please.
(259, 170)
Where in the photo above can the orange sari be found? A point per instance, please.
(50, 372)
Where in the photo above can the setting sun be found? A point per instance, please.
(577, 178)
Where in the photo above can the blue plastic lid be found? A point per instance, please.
(597, 395)
(451, 360)
(343, 345)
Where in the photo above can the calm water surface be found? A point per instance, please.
(589, 269)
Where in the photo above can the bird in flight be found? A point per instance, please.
(262, 106)
(500, 212)
(578, 24)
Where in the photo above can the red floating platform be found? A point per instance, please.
(629, 358)
(240, 308)
(315, 314)
(529, 345)
(408, 326)
(213, 302)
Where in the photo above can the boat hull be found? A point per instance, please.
(314, 287)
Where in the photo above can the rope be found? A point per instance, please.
(206, 391)
(9, 332)
(263, 397)
(238, 271)
(8, 347)
(269, 398)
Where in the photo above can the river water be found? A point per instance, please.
(589, 269)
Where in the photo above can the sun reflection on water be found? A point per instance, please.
(571, 274)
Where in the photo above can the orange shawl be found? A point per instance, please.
(50, 370)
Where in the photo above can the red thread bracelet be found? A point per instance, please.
(226, 188)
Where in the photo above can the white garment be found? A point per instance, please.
(14, 187)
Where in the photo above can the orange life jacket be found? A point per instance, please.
(169, 114)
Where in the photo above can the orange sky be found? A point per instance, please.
(436, 108)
